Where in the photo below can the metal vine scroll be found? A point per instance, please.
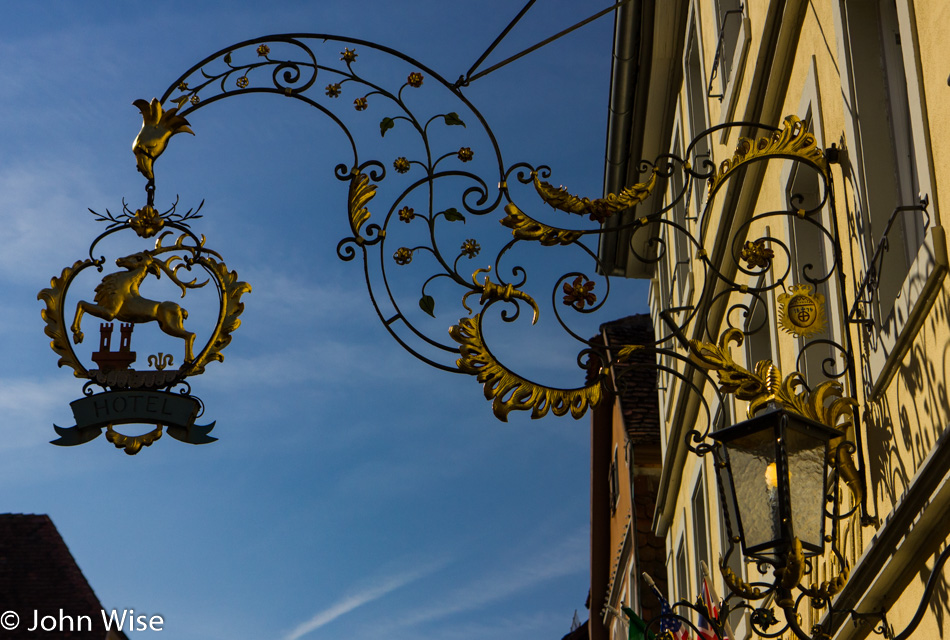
(442, 171)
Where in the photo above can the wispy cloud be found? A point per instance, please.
(35, 198)
(27, 404)
(567, 557)
(379, 588)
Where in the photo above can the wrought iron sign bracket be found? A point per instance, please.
(867, 291)
(428, 185)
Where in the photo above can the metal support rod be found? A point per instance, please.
(468, 78)
(868, 285)
(464, 80)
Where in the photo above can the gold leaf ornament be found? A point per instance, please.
(230, 290)
(791, 140)
(826, 403)
(524, 227)
(598, 209)
(132, 444)
(506, 293)
(509, 391)
(54, 315)
(360, 193)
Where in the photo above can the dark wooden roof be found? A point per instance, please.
(635, 381)
(580, 633)
(38, 573)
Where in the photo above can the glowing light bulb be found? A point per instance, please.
(771, 476)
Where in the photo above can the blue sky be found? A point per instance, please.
(354, 492)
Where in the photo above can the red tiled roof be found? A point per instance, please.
(38, 573)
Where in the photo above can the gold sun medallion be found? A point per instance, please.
(801, 313)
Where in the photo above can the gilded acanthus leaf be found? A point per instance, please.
(829, 588)
(509, 391)
(490, 291)
(825, 404)
(598, 209)
(231, 289)
(791, 573)
(792, 140)
(53, 314)
(739, 586)
(361, 192)
(524, 227)
(133, 444)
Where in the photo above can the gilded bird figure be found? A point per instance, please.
(158, 126)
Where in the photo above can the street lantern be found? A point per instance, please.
(775, 472)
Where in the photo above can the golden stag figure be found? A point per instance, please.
(117, 296)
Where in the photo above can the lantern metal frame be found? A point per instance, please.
(775, 423)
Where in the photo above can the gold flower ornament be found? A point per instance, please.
(158, 126)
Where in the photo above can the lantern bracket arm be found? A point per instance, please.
(925, 599)
(880, 617)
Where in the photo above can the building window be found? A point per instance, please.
(892, 167)
(812, 257)
(758, 327)
(731, 49)
(682, 250)
(734, 562)
(700, 529)
(889, 158)
(614, 481)
(696, 117)
(682, 575)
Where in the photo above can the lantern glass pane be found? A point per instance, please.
(752, 461)
(807, 453)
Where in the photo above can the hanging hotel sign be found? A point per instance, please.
(158, 396)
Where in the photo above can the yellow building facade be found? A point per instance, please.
(859, 227)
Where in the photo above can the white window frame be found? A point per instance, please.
(682, 591)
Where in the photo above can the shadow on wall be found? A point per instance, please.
(922, 413)
(899, 438)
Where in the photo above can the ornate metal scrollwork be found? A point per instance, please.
(792, 140)
(430, 188)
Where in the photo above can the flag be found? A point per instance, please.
(712, 601)
(637, 628)
(669, 623)
(706, 631)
